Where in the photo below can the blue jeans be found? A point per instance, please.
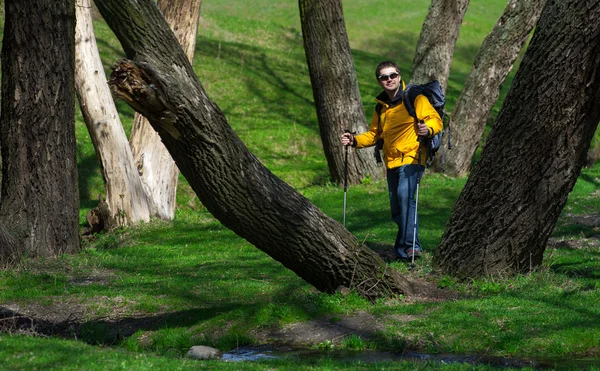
(402, 185)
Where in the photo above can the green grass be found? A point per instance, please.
(142, 296)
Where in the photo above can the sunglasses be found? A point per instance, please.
(387, 77)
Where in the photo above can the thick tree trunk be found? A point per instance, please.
(437, 40)
(125, 196)
(156, 167)
(494, 61)
(39, 203)
(233, 185)
(534, 154)
(335, 88)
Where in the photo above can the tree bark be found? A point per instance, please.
(494, 61)
(39, 203)
(335, 88)
(233, 185)
(534, 154)
(9, 251)
(125, 197)
(437, 40)
(155, 165)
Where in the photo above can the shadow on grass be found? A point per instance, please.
(103, 331)
(172, 276)
(114, 328)
(577, 261)
(583, 176)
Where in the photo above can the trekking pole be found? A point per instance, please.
(412, 264)
(345, 177)
(415, 223)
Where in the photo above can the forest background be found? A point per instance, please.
(164, 286)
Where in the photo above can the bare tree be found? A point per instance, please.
(125, 197)
(335, 88)
(437, 40)
(234, 186)
(39, 200)
(141, 180)
(534, 154)
(494, 61)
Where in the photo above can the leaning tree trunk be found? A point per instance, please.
(494, 61)
(437, 40)
(125, 197)
(233, 185)
(335, 88)
(534, 154)
(39, 203)
(156, 167)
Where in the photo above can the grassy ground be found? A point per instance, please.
(139, 298)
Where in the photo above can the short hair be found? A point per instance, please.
(386, 64)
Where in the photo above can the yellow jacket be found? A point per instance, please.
(398, 130)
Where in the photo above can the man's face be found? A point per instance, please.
(389, 79)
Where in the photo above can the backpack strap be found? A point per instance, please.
(379, 144)
(409, 95)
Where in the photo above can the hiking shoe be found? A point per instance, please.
(400, 254)
(417, 252)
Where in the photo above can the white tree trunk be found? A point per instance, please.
(125, 196)
(155, 165)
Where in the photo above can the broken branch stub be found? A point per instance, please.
(138, 88)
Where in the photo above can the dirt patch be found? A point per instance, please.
(331, 329)
(37, 319)
(362, 324)
(317, 331)
(581, 243)
(590, 220)
(71, 320)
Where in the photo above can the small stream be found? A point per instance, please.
(249, 354)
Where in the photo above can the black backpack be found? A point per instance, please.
(433, 91)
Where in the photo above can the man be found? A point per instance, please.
(403, 156)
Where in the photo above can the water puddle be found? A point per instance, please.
(264, 353)
(247, 354)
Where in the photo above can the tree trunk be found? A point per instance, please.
(156, 167)
(125, 196)
(593, 154)
(233, 185)
(335, 88)
(437, 40)
(494, 61)
(39, 203)
(8, 248)
(534, 154)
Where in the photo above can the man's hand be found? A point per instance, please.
(422, 130)
(347, 139)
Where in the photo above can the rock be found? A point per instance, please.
(204, 352)
(343, 290)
